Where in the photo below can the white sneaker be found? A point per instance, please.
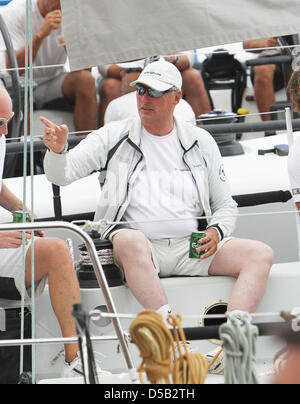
(74, 368)
(190, 348)
(217, 367)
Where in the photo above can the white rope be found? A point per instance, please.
(97, 315)
(197, 120)
(241, 116)
(169, 55)
(239, 339)
(41, 135)
(96, 226)
(33, 67)
(244, 50)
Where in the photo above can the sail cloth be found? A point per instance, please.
(111, 31)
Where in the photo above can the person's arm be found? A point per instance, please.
(260, 43)
(13, 239)
(12, 203)
(114, 72)
(182, 62)
(51, 22)
(9, 201)
(294, 172)
(63, 167)
(223, 207)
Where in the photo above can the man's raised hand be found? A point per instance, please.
(52, 21)
(55, 137)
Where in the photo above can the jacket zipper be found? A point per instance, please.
(128, 185)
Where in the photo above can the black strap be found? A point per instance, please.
(57, 202)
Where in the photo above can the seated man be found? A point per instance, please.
(156, 172)
(294, 153)
(193, 86)
(52, 260)
(125, 106)
(267, 79)
(294, 90)
(112, 84)
(290, 370)
(78, 88)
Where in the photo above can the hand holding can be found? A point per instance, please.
(195, 243)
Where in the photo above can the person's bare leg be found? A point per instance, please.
(195, 91)
(111, 89)
(79, 87)
(132, 253)
(53, 259)
(249, 262)
(264, 89)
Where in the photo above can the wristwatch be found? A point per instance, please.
(219, 230)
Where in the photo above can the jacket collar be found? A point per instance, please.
(186, 137)
(135, 132)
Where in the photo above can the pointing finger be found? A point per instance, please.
(48, 123)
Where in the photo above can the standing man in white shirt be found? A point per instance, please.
(155, 168)
(78, 88)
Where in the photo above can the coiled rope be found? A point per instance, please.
(165, 359)
(239, 338)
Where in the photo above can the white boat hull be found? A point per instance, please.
(186, 296)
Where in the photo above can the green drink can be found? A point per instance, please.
(194, 244)
(18, 217)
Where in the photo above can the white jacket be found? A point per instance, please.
(114, 151)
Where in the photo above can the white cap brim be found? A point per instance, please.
(152, 83)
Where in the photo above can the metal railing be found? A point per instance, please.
(99, 275)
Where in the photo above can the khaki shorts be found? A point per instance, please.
(11, 268)
(49, 90)
(171, 257)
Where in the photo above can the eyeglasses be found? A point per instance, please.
(142, 90)
(4, 121)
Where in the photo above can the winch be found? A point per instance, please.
(85, 272)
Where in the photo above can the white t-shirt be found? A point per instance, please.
(51, 51)
(164, 189)
(2, 157)
(294, 169)
(126, 107)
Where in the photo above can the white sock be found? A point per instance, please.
(165, 311)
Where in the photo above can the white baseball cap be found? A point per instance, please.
(160, 76)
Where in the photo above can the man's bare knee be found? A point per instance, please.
(52, 252)
(50, 255)
(258, 258)
(265, 256)
(111, 89)
(264, 74)
(81, 83)
(130, 243)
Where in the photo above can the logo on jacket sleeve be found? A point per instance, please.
(222, 173)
